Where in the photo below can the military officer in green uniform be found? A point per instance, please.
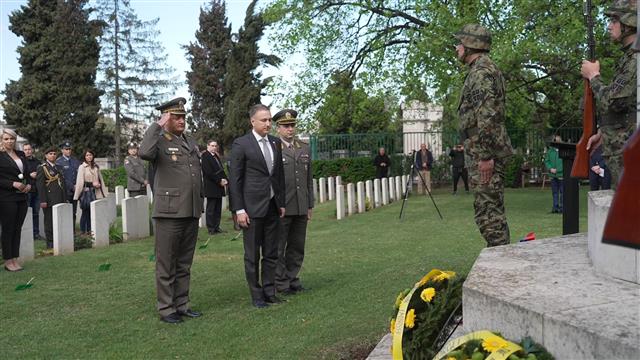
(136, 172)
(616, 102)
(486, 143)
(298, 179)
(51, 189)
(176, 208)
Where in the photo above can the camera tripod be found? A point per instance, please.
(408, 186)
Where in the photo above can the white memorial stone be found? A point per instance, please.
(399, 193)
(368, 186)
(27, 250)
(119, 195)
(62, 229)
(100, 222)
(338, 180)
(315, 190)
(143, 216)
(322, 183)
(41, 223)
(112, 210)
(129, 219)
(149, 194)
(340, 203)
(404, 184)
(202, 222)
(360, 197)
(392, 189)
(126, 193)
(385, 191)
(332, 188)
(377, 196)
(351, 199)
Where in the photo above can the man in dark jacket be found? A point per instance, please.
(34, 203)
(382, 164)
(458, 168)
(51, 190)
(424, 163)
(215, 181)
(69, 166)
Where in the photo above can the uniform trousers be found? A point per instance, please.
(292, 236)
(262, 234)
(12, 214)
(489, 205)
(175, 244)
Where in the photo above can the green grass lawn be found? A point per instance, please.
(354, 267)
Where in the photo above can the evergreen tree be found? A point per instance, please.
(208, 57)
(134, 74)
(55, 98)
(243, 83)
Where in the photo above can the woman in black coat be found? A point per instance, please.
(13, 198)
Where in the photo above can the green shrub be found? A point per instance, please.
(115, 234)
(357, 169)
(82, 241)
(114, 177)
(513, 171)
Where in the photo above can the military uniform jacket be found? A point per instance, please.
(51, 185)
(70, 172)
(616, 102)
(482, 111)
(136, 173)
(178, 174)
(298, 178)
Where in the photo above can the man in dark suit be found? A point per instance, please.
(424, 162)
(257, 197)
(51, 190)
(69, 166)
(215, 181)
(177, 205)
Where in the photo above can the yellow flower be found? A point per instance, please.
(494, 343)
(427, 294)
(399, 299)
(393, 324)
(451, 358)
(409, 320)
(444, 276)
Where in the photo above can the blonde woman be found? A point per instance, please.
(13, 198)
(88, 182)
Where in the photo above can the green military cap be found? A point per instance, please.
(474, 36)
(285, 117)
(625, 11)
(175, 106)
(50, 148)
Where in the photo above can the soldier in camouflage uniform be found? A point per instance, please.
(616, 102)
(487, 145)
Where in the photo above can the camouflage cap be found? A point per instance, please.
(474, 36)
(625, 11)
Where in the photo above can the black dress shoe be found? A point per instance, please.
(274, 300)
(219, 231)
(189, 313)
(260, 304)
(298, 288)
(172, 318)
(288, 291)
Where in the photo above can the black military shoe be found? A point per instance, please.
(274, 300)
(260, 304)
(189, 313)
(172, 318)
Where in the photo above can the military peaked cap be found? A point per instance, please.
(285, 117)
(132, 145)
(50, 148)
(175, 106)
(66, 145)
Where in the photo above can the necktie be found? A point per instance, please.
(267, 154)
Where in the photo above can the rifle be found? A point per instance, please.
(622, 226)
(580, 169)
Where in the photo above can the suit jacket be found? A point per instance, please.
(136, 173)
(420, 160)
(298, 177)
(212, 173)
(9, 173)
(178, 174)
(55, 191)
(250, 182)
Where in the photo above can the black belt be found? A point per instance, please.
(617, 119)
(467, 133)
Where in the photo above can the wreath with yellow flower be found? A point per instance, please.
(484, 344)
(423, 314)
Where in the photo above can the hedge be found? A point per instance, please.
(114, 177)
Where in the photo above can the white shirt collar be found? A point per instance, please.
(258, 137)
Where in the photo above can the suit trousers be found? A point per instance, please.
(48, 224)
(457, 173)
(262, 234)
(213, 213)
(12, 214)
(175, 245)
(34, 204)
(292, 236)
(426, 176)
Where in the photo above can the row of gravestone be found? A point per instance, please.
(378, 192)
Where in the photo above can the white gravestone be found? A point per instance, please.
(368, 186)
(360, 197)
(323, 189)
(126, 193)
(100, 222)
(143, 216)
(392, 189)
(338, 180)
(340, 202)
(27, 250)
(315, 189)
(129, 219)
(351, 199)
(404, 184)
(399, 192)
(332, 188)
(150, 194)
(377, 197)
(41, 223)
(385, 191)
(202, 222)
(62, 229)
(119, 195)
(112, 209)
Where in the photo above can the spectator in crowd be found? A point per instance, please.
(382, 164)
(256, 184)
(34, 203)
(553, 163)
(599, 176)
(136, 172)
(89, 182)
(13, 198)
(51, 190)
(70, 167)
(215, 181)
(424, 163)
(458, 168)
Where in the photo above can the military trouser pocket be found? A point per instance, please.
(167, 200)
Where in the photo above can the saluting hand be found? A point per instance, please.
(163, 119)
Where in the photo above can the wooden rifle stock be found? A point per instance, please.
(623, 225)
(580, 169)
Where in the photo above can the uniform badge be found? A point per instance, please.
(174, 157)
(167, 136)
